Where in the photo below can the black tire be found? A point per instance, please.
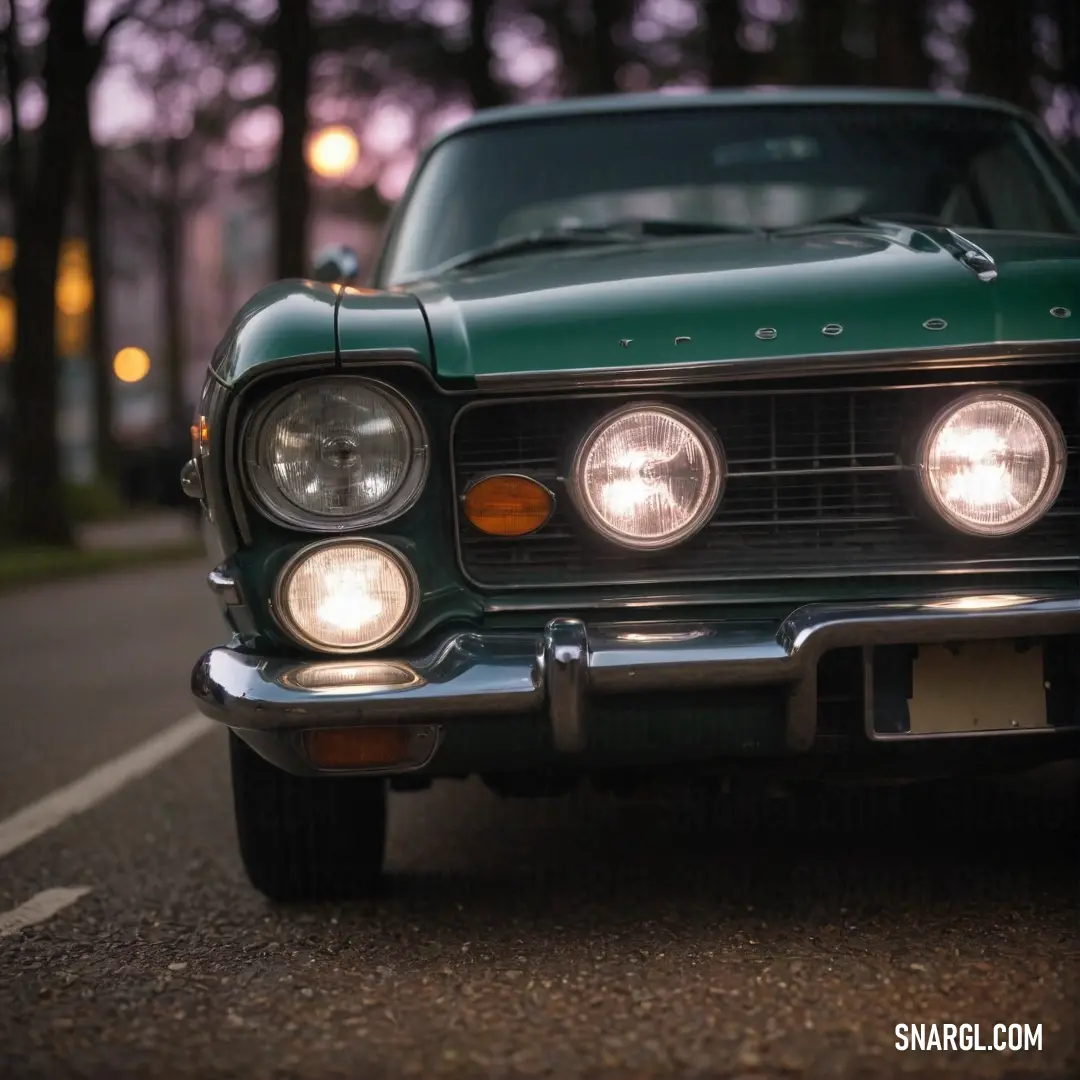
(304, 837)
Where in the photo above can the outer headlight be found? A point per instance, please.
(647, 476)
(334, 454)
(993, 462)
(346, 595)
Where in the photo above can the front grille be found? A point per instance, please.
(816, 487)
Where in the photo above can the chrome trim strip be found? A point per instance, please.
(768, 592)
(473, 675)
(566, 649)
(224, 515)
(799, 365)
(364, 360)
(223, 584)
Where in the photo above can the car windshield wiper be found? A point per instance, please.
(901, 217)
(537, 240)
(624, 231)
(680, 227)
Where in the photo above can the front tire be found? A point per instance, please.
(306, 837)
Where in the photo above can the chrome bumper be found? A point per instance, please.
(557, 672)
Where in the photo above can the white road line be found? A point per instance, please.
(38, 909)
(97, 785)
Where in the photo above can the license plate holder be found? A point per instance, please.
(975, 687)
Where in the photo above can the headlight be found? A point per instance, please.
(334, 454)
(647, 476)
(346, 595)
(993, 462)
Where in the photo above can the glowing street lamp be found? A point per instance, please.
(131, 364)
(74, 282)
(333, 152)
(7, 328)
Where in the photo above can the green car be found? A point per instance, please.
(688, 437)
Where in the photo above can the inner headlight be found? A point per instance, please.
(332, 454)
(993, 463)
(647, 476)
(346, 595)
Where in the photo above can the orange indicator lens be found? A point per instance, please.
(357, 748)
(508, 505)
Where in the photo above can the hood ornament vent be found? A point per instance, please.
(979, 262)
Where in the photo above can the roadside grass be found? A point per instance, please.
(90, 505)
(20, 565)
(98, 500)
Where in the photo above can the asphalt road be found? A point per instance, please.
(586, 936)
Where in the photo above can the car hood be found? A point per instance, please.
(739, 297)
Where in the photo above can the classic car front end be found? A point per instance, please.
(692, 494)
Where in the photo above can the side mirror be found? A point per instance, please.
(338, 264)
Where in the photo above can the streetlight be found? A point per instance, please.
(7, 328)
(333, 152)
(74, 282)
(131, 364)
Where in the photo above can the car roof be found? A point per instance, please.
(748, 96)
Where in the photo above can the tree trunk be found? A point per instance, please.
(100, 360)
(606, 57)
(824, 23)
(572, 46)
(1001, 54)
(726, 62)
(485, 91)
(13, 78)
(38, 507)
(900, 29)
(12, 72)
(172, 297)
(292, 196)
(1068, 22)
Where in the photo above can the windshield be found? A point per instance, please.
(765, 167)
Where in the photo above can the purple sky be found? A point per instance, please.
(391, 125)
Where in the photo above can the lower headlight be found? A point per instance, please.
(346, 596)
(993, 462)
(647, 476)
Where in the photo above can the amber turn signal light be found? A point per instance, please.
(358, 748)
(508, 505)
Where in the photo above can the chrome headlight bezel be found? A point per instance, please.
(271, 501)
(714, 455)
(1056, 445)
(279, 609)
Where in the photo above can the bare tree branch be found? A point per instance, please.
(13, 78)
